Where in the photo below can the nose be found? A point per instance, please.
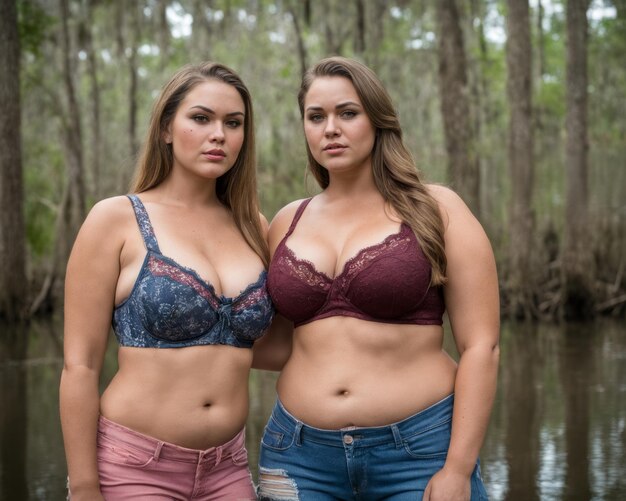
(332, 128)
(217, 133)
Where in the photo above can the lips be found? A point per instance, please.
(335, 147)
(214, 154)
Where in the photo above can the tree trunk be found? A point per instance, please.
(307, 13)
(541, 42)
(540, 66)
(163, 30)
(201, 30)
(13, 282)
(135, 38)
(120, 12)
(521, 159)
(96, 134)
(479, 104)
(455, 108)
(329, 35)
(302, 52)
(336, 29)
(376, 32)
(73, 132)
(577, 298)
(359, 32)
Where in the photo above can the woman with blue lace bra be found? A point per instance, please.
(370, 406)
(177, 268)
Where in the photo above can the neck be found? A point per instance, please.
(184, 191)
(354, 184)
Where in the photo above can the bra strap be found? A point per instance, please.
(297, 216)
(145, 226)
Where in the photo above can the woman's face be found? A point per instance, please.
(339, 133)
(207, 131)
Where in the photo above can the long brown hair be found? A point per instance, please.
(237, 188)
(395, 174)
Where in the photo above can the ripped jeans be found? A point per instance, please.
(394, 462)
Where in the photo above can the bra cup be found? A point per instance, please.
(299, 301)
(173, 311)
(293, 298)
(249, 323)
(391, 289)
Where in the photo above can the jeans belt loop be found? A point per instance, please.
(397, 436)
(298, 433)
(218, 457)
(157, 451)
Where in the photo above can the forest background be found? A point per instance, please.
(519, 106)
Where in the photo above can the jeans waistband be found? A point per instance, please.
(166, 450)
(420, 422)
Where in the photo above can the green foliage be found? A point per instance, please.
(34, 26)
(607, 68)
(259, 40)
(551, 98)
(40, 210)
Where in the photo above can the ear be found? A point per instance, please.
(166, 135)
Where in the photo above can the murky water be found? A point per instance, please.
(558, 429)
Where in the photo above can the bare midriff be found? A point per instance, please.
(349, 372)
(194, 397)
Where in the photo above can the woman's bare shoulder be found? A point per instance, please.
(281, 221)
(113, 207)
(444, 195)
(285, 215)
(451, 205)
(109, 218)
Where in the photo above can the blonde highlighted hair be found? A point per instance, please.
(395, 174)
(237, 188)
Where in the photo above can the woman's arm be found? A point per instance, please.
(92, 273)
(472, 301)
(272, 351)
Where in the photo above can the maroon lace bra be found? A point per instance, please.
(388, 282)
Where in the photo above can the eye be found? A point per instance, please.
(233, 124)
(200, 118)
(316, 117)
(348, 114)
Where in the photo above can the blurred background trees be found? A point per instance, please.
(518, 106)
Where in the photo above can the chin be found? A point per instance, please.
(213, 172)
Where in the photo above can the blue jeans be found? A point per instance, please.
(395, 462)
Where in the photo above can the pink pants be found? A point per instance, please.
(138, 467)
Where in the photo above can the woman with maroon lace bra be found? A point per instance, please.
(178, 270)
(369, 405)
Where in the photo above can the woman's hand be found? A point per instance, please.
(448, 485)
(86, 494)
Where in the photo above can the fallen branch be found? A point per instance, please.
(611, 303)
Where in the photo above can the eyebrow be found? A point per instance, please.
(210, 111)
(340, 106)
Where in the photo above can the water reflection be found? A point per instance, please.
(13, 349)
(520, 385)
(558, 429)
(576, 373)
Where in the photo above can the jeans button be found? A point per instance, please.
(348, 439)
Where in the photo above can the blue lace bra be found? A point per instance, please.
(170, 306)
